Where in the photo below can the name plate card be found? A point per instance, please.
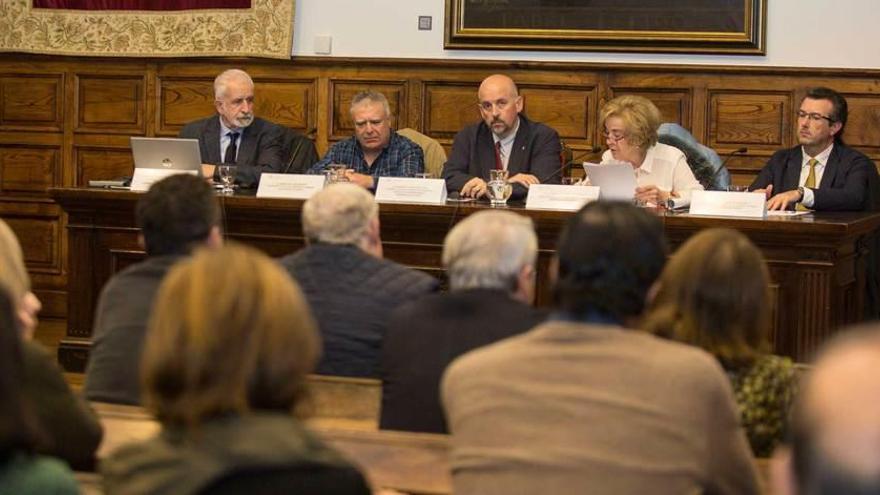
(143, 178)
(729, 204)
(411, 190)
(560, 197)
(289, 186)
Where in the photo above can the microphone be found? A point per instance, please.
(727, 158)
(295, 151)
(567, 166)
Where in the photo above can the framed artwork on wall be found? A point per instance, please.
(679, 26)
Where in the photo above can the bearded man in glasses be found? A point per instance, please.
(822, 173)
(504, 140)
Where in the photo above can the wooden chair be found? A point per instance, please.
(435, 155)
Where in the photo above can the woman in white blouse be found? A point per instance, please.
(630, 129)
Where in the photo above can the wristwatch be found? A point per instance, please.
(801, 192)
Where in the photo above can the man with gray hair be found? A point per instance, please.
(350, 287)
(235, 136)
(490, 259)
(835, 433)
(375, 150)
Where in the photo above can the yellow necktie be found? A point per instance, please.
(810, 182)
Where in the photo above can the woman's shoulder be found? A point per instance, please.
(24, 474)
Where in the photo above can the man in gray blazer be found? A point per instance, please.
(235, 135)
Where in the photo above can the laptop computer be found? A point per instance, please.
(166, 153)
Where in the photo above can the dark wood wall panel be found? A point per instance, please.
(110, 105)
(31, 102)
(66, 120)
(29, 169)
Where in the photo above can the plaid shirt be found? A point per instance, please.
(401, 158)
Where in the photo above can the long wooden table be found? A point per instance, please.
(816, 261)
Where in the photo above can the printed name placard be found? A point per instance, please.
(411, 190)
(560, 197)
(143, 178)
(729, 204)
(290, 186)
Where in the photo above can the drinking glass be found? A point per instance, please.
(499, 189)
(737, 188)
(227, 177)
(336, 173)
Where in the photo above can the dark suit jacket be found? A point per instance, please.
(844, 185)
(259, 147)
(113, 372)
(426, 335)
(535, 151)
(352, 294)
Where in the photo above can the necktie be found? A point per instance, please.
(232, 149)
(498, 163)
(810, 182)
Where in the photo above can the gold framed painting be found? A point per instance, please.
(679, 26)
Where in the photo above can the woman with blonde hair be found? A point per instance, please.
(72, 430)
(713, 294)
(630, 126)
(229, 345)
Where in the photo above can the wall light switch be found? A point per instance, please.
(424, 23)
(323, 45)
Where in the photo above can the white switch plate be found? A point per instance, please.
(323, 45)
(424, 23)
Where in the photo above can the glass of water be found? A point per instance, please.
(227, 177)
(499, 189)
(336, 173)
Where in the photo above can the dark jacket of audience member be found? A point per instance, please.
(351, 289)
(175, 215)
(22, 472)
(224, 370)
(713, 294)
(490, 259)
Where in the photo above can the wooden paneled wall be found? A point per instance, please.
(66, 120)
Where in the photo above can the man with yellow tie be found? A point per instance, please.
(822, 173)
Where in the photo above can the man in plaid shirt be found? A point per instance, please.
(375, 150)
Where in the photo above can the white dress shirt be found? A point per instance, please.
(225, 140)
(506, 144)
(809, 198)
(666, 168)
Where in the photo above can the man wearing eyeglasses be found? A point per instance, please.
(235, 136)
(822, 173)
(505, 139)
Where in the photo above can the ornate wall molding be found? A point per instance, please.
(263, 30)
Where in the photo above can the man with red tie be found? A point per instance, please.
(821, 173)
(505, 139)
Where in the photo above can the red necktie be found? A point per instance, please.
(498, 164)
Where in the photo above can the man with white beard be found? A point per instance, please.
(235, 135)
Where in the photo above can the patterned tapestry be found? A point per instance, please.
(247, 28)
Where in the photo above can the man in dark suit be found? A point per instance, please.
(490, 258)
(822, 173)
(234, 135)
(505, 139)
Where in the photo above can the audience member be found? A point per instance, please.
(235, 135)
(231, 341)
(582, 403)
(505, 139)
(350, 288)
(821, 173)
(713, 294)
(176, 215)
(630, 125)
(835, 436)
(375, 150)
(21, 471)
(72, 430)
(490, 259)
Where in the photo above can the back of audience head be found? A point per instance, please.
(231, 333)
(18, 431)
(835, 430)
(492, 250)
(14, 279)
(713, 294)
(177, 214)
(343, 214)
(608, 256)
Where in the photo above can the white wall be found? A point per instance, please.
(800, 33)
